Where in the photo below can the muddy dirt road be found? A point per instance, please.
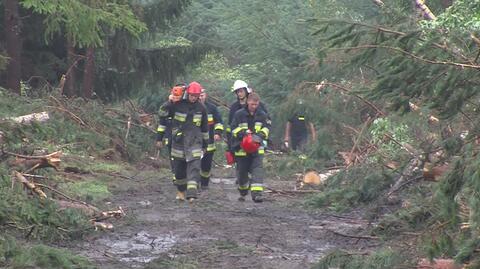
(216, 231)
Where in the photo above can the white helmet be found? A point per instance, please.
(238, 84)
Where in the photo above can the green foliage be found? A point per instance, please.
(89, 190)
(82, 21)
(15, 256)
(463, 15)
(389, 136)
(384, 258)
(348, 188)
(38, 218)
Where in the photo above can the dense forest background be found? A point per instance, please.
(398, 80)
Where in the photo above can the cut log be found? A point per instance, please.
(30, 163)
(102, 225)
(30, 185)
(37, 117)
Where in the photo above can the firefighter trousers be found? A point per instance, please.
(206, 167)
(251, 164)
(187, 176)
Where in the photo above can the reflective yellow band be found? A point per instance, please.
(211, 147)
(161, 128)
(237, 130)
(191, 185)
(243, 188)
(196, 152)
(206, 136)
(180, 116)
(256, 188)
(240, 153)
(228, 130)
(301, 118)
(265, 131)
(182, 181)
(205, 173)
(177, 153)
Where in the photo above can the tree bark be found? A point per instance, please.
(89, 73)
(425, 11)
(13, 45)
(447, 3)
(72, 68)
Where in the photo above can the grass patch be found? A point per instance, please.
(105, 167)
(14, 256)
(384, 258)
(92, 190)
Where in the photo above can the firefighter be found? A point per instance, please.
(298, 128)
(215, 128)
(241, 90)
(164, 129)
(250, 129)
(189, 139)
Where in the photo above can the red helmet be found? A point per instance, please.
(194, 88)
(249, 144)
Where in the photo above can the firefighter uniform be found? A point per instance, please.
(250, 163)
(215, 126)
(188, 142)
(299, 131)
(234, 107)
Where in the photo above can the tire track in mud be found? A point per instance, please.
(217, 231)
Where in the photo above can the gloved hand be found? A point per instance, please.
(257, 138)
(286, 144)
(241, 134)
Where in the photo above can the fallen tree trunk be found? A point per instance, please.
(30, 163)
(38, 117)
(30, 185)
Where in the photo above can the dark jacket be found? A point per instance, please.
(215, 124)
(189, 128)
(243, 122)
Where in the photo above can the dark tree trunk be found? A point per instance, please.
(71, 71)
(89, 73)
(13, 45)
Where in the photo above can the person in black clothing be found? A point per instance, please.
(297, 129)
(250, 128)
(189, 139)
(241, 90)
(215, 128)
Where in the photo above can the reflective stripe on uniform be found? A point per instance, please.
(177, 153)
(301, 118)
(197, 118)
(265, 131)
(191, 185)
(258, 126)
(240, 152)
(206, 136)
(161, 128)
(243, 187)
(210, 119)
(182, 181)
(205, 173)
(196, 152)
(180, 116)
(229, 130)
(211, 147)
(256, 187)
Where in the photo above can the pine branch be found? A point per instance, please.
(394, 32)
(460, 65)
